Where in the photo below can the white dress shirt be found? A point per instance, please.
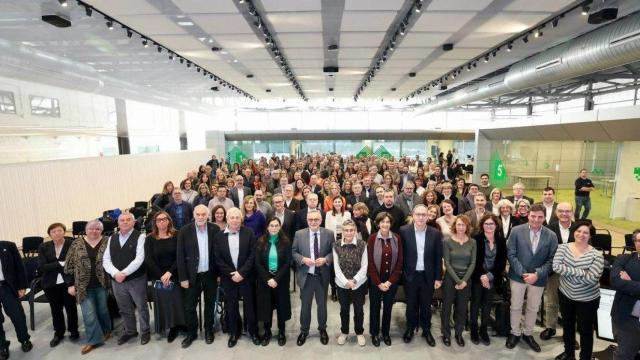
(420, 240)
(564, 233)
(234, 246)
(312, 269)
(133, 265)
(203, 249)
(359, 278)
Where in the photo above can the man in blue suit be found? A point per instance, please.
(530, 250)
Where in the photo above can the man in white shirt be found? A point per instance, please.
(550, 204)
(220, 199)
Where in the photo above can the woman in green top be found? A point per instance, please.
(459, 254)
(273, 257)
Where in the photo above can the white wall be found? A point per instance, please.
(39, 193)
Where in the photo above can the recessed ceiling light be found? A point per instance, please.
(235, 60)
(185, 23)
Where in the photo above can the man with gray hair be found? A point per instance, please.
(518, 194)
(408, 199)
(123, 260)
(289, 202)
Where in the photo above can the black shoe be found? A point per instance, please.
(547, 334)
(512, 341)
(172, 335)
(459, 340)
(209, 336)
(446, 341)
(256, 340)
(564, 356)
(56, 340)
(429, 338)
(408, 336)
(334, 296)
(282, 338)
(324, 337)
(126, 337)
(4, 352)
(233, 340)
(302, 338)
(387, 340)
(475, 338)
(266, 339)
(145, 338)
(484, 337)
(529, 340)
(188, 340)
(26, 346)
(74, 336)
(375, 340)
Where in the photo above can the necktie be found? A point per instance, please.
(316, 246)
(534, 241)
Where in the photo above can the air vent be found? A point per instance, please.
(549, 64)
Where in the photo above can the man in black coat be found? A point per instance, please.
(13, 285)
(389, 207)
(197, 272)
(286, 216)
(301, 216)
(234, 251)
(421, 276)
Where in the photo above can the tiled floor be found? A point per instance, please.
(313, 349)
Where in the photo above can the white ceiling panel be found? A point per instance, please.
(361, 39)
(411, 53)
(152, 24)
(180, 42)
(300, 40)
(483, 40)
(302, 63)
(357, 53)
(304, 53)
(222, 23)
(249, 41)
(198, 55)
(129, 7)
(459, 5)
(442, 21)
(425, 39)
(511, 22)
(538, 5)
(446, 64)
(401, 63)
(355, 62)
(202, 7)
(251, 54)
(367, 20)
(370, 5)
(462, 53)
(296, 22)
(259, 64)
(291, 5)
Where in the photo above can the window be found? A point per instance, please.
(43, 106)
(7, 103)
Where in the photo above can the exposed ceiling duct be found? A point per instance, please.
(609, 46)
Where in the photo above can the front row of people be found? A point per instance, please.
(184, 267)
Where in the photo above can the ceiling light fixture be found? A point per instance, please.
(510, 46)
(145, 42)
(88, 10)
(129, 33)
(585, 10)
(525, 39)
(63, 3)
(110, 24)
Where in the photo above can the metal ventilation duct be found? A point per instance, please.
(609, 46)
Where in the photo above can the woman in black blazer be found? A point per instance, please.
(272, 266)
(491, 260)
(51, 258)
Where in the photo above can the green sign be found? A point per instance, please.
(364, 152)
(636, 173)
(236, 156)
(597, 171)
(497, 170)
(382, 152)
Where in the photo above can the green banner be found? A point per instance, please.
(497, 171)
(236, 156)
(382, 152)
(364, 152)
(636, 173)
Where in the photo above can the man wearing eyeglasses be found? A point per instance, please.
(287, 217)
(312, 253)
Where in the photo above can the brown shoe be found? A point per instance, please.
(86, 349)
(107, 336)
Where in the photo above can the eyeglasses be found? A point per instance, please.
(310, 220)
(420, 214)
(274, 225)
(489, 224)
(162, 219)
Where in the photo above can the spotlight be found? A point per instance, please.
(268, 90)
(509, 47)
(215, 88)
(554, 23)
(525, 39)
(393, 89)
(188, 64)
(145, 43)
(332, 47)
(486, 58)
(215, 49)
(330, 89)
(469, 67)
(418, 6)
(159, 49)
(197, 69)
(181, 60)
(63, 3)
(537, 33)
(402, 30)
(110, 24)
(88, 11)
(171, 56)
(129, 33)
(585, 10)
(494, 53)
(249, 76)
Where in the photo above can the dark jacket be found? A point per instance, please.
(246, 255)
(500, 262)
(627, 291)
(49, 264)
(289, 223)
(188, 254)
(12, 266)
(282, 277)
(301, 219)
(432, 253)
(555, 227)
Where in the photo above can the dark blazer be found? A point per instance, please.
(301, 249)
(499, 264)
(352, 199)
(523, 260)
(510, 198)
(188, 254)
(294, 205)
(289, 223)
(12, 266)
(432, 253)
(49, 264)
(233, 195)
(301, 219)
(281, 276)
(553, 213)
(627, 292)
(555, 227)
(513, 221)
(246, 255)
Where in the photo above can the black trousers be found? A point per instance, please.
(232, 293)
(207, 283)
(627, 333)
(59, 300)
(346, 298)
(481, 299)
(386, 299)
(12, 306)
(584, 314)
(457, 299)
(419, 294)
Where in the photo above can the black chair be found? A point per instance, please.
(628, 243)
(109, 227)
(602, 241)
(141, 204)
(138, 212)
(34, 294)
(78, 228)
(31, 244)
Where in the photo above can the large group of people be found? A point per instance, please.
(346, 228)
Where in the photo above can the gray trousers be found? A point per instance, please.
(313, 286)
(130, 295)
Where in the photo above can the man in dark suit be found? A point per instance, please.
(239, 191)
(562, 228)
(437, 175)
(13, 285)
(301, 216)
(625, 280)
(550, 204)
(408, 198)
(197, 272)
(234, 251)
(289, 202)
(518, 194)
(357, 196)
(389, 207)
(530, 250)
(316, 187)
(312, 253)
(286, 216)
(377, 200)
(422, 264)
(368, 189)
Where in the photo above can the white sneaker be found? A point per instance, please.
(342, 338)
(361, 340)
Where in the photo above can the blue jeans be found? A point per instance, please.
(580, 202)
(95, 314)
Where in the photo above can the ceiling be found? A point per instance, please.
(302, 29)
